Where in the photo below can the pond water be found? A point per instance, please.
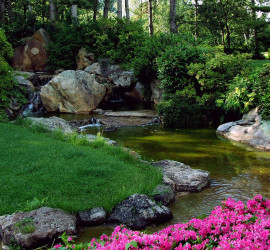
(236, 171)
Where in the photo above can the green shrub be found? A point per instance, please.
(247, 91)
(65, 44)
(109, 38)
(241, 95)
(181, 112)
(6, 50)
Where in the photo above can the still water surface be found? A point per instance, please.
(236, 171)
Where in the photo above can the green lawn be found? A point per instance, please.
(72, 177)
(259, 63)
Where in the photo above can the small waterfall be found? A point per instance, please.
(94, 123)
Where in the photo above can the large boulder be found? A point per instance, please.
(181, 177)
(32, 56)
(72, 92)
(250, 130)
(138, 211)
(53, 123)
(84, 59)
(36, 228)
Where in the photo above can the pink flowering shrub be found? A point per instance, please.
(230, 226)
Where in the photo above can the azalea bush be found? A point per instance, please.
(233, 225)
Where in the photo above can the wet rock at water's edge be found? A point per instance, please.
(53, 123)
(46, 225)
(139, 211)
(164, 194)
(250, 130)
(181, 177)
(93, 217)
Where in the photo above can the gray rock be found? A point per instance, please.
(223, 128)
(249, 130)
(25, 83)
(93, 217)
(48, 224)
(181, 177)
(53, 123)
(164, 194)
(92, 138)
(126, 79)
(138, 211)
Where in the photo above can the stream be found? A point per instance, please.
(236, 170)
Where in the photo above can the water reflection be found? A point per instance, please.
(237, 171)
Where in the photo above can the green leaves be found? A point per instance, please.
(132, 243)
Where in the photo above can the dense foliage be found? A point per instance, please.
(249, 90)
(9, 88)
(110, 38)
(193, 78)
(202, 68)
(233, 225)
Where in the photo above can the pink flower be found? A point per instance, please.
(57, 246)
(69, 238)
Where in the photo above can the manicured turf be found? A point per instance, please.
(259, 63)
(71, 177)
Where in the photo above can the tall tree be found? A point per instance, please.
(150, 25)
(119, 9)
(127, 9)
(2, 11)
(173, 24)
(74, 12)
(52, 10)
(106, 8)
(95, 9)
(10, 11)
(196, 20)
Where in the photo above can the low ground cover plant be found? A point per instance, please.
(233, 225)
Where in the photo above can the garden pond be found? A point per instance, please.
(236, 170)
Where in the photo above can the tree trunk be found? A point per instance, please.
(106, 8)
(223, 37)
(256, 42)
(127, 10)
(95, 10)
(119, 9)
(228, 46)
(2, 11)
(52, 10)
(173, 25)
(29, 7)
(74, 13)
(196, 21)
(151, 27)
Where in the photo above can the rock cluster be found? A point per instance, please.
(249, 130)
